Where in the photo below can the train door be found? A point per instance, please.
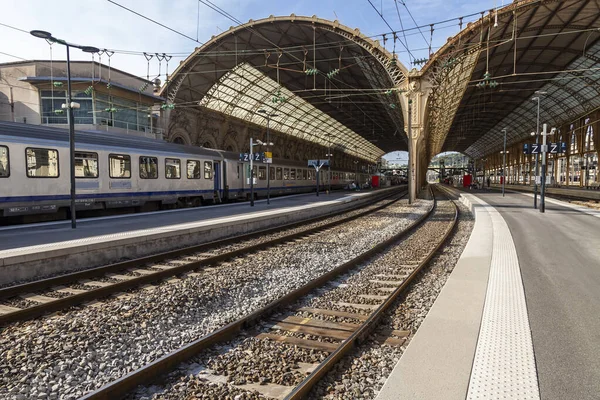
(217, 181)
(241, 175)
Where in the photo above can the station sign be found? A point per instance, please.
(552, 148)
(318, 163)
(268, 159)
(255, 157)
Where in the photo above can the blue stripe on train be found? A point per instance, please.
(16, 199)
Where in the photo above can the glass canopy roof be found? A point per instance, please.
(244, 90)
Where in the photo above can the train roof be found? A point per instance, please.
(100, 138)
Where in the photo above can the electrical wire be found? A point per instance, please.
(410, 58)
(388, 25)
(153, 21)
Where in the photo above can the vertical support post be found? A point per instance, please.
(411, 183)
(71, 140)
(12, 106)
(504, 164)
(543, 190)
(251, 175)
(537, 156)
(317, 170)
(268, 165)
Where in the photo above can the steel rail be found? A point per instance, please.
(122, 386)
(93, 294)
(304, 388)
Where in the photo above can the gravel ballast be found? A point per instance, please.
(65, 356)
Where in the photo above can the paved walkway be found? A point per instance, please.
(519, 316)
(19, 236)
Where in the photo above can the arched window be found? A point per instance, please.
(573, 147)
(589, 139)
(178, 140)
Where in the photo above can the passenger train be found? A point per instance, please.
(124, 172)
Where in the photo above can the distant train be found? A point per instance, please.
(123, 172)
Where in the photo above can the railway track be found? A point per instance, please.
(333, 332)
(34, 299)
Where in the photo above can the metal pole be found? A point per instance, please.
(251, 176)
(409, 133)
(268, 165)
(537, 156)
(504, 164)
(543, 191)
(71, 141)
(329, 169)
(317, 170)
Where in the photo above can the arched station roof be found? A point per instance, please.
(325, 83)
(533, 45)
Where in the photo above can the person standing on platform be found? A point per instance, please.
(488, 181)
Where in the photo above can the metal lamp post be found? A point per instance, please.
(537, 141)
(504, 164)
(252, 144)
(544, 153)
(329, 155)
(70, 105)
(268, 117)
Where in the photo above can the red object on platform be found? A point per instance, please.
(375, 181)
(501, 180)
(467, 179)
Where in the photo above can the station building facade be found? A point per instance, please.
(33, 92)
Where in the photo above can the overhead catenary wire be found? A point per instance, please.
(410, 58)
(389, 26)
(154, 21)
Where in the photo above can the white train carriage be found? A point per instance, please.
(112, 171)
(116, 171)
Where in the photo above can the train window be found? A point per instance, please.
(172, 168)
(262, 173)
(271, 173)
(304, 174)
(193, 169)
(207, 170)
(42, 163)
(292, 174)
(278, 174)
(286, 174)
(4, 164)
(86, 165)
(119, 166)
(148, 167)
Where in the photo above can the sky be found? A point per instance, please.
(102, 24)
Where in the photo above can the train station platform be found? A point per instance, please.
(38, 250)
(570, 192)
(518, 316)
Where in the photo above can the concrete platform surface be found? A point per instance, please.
(31, 251)
(559, 254)
(536, 334)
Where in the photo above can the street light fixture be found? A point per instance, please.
(69, 105)
(268, 117)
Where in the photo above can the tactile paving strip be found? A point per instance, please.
(504, 364)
